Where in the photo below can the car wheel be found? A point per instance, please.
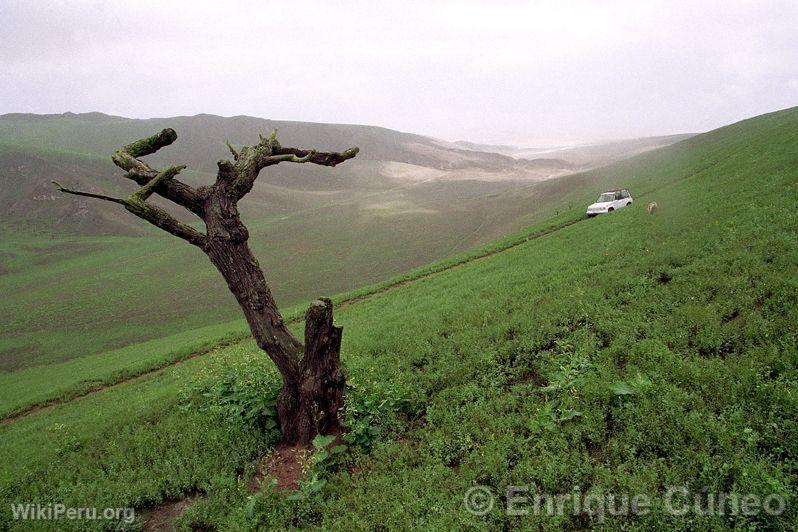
(610, 209)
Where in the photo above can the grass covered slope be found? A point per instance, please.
(58, 382)
(403, 202)
(624, 354)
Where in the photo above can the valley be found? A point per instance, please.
(621, 354)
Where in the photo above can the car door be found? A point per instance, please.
(625, 199)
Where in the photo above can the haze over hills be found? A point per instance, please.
(404, 201)
(582, 155)
(76, 148)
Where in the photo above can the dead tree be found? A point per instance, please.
(313, 381)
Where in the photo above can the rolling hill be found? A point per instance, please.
(623, 355)
(404, 201)
(36, 148)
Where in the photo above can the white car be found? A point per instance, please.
(610, 201)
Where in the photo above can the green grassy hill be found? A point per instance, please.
(405, 201)
(622, 354)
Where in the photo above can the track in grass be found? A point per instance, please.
(160, 368)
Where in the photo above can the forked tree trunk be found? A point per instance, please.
(313, 381)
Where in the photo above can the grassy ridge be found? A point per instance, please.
(621, 355)
(22, 390)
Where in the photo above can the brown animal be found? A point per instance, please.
(652, 207)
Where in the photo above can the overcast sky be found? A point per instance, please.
(527, 73)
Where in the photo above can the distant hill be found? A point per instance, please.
(403, 202)
(76, 148)
(581, 156)
(475, 146)
(201, 141)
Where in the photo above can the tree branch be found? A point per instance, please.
(176, 191)
(163, 220)
(150, 145)
(288, 157)
(252, 159)
(167, 175)
(321, 158)
(87, 194)
(233, 151)
(151, 213)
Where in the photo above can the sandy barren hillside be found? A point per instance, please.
(584, 156)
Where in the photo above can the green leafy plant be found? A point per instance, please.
(634, 386)
(368, 411)
(239, 396)
(324, 459)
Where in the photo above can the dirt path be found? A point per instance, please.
(345, 303)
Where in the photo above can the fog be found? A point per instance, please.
(526, 73)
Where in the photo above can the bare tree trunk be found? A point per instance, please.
(323, 378)
(313, 380)
(313, 383)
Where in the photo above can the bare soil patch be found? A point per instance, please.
(163, 517)
(284, 463)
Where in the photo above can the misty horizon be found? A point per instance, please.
(544, 147)
(512, 73)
